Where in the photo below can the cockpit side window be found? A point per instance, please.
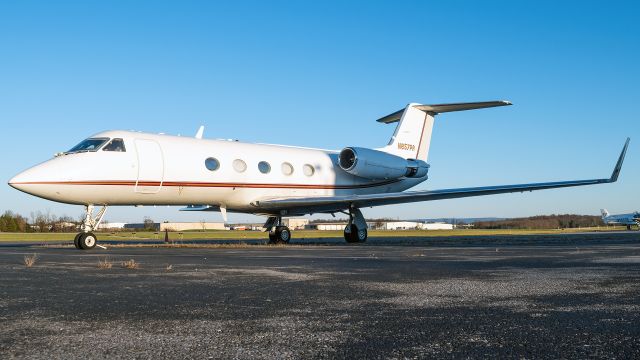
(115, 145)
(92, 144)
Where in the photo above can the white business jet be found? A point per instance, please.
(621, 219)
(133, 168)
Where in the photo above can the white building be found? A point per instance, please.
(111, 225)
(326, 226)
(436, 226)
(296, 223)
(385, 225)
(400, 225)
(182, 226)
(412, 225)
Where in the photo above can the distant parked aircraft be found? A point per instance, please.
(134, 168)
(621, 219)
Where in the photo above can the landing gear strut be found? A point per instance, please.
(278, 233)
(86, 239)
(356, 229)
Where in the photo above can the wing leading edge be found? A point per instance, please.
(337, 203)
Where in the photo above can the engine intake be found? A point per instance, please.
(379, 165)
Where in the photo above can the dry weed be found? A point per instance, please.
(104, 264)
(29, 260)
(130, 264)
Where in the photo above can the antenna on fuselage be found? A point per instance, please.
(200, 132)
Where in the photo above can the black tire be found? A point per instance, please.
(283, 235)
(75, 241)
(87, 241)
(272, 237)
(361, 235)
(347, 234)
(353, 235)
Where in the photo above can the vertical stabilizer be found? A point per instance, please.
(412, 137)
(604, 213)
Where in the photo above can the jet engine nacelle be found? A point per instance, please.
(379, 165)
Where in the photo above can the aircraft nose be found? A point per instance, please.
(21, 180)
(43, 180)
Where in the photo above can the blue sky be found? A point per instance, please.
(319, 73)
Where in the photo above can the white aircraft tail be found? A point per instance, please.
(412, 136)
(604, 213)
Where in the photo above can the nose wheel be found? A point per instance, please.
(86, 239)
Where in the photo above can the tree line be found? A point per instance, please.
(554, 221)
(38, 222)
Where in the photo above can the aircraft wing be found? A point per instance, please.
(305, 205)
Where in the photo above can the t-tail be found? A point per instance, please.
(604, 213)
(412, 136)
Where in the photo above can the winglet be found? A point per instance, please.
(616, 170)
(200, 132)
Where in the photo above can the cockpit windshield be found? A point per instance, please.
(92, 144)
(116, 145)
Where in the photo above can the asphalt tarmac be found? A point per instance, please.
(554, 297)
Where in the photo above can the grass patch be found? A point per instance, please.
(130, 264)
(194, 245)
(105, 264)
(297, 234)
(30, 260)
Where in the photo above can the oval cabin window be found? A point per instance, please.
(264, 167)
(308, 170)
(287, 168)
(212, 164)
(239, 165)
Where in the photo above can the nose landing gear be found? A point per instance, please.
(86, 239)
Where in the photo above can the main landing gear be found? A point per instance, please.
(356, 229)
(86, 239)
(278, 233)
(354, 232)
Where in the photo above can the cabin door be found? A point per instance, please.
(150, 166)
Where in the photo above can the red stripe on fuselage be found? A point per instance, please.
(207, 184)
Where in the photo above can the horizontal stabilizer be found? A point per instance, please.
(442, 108)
